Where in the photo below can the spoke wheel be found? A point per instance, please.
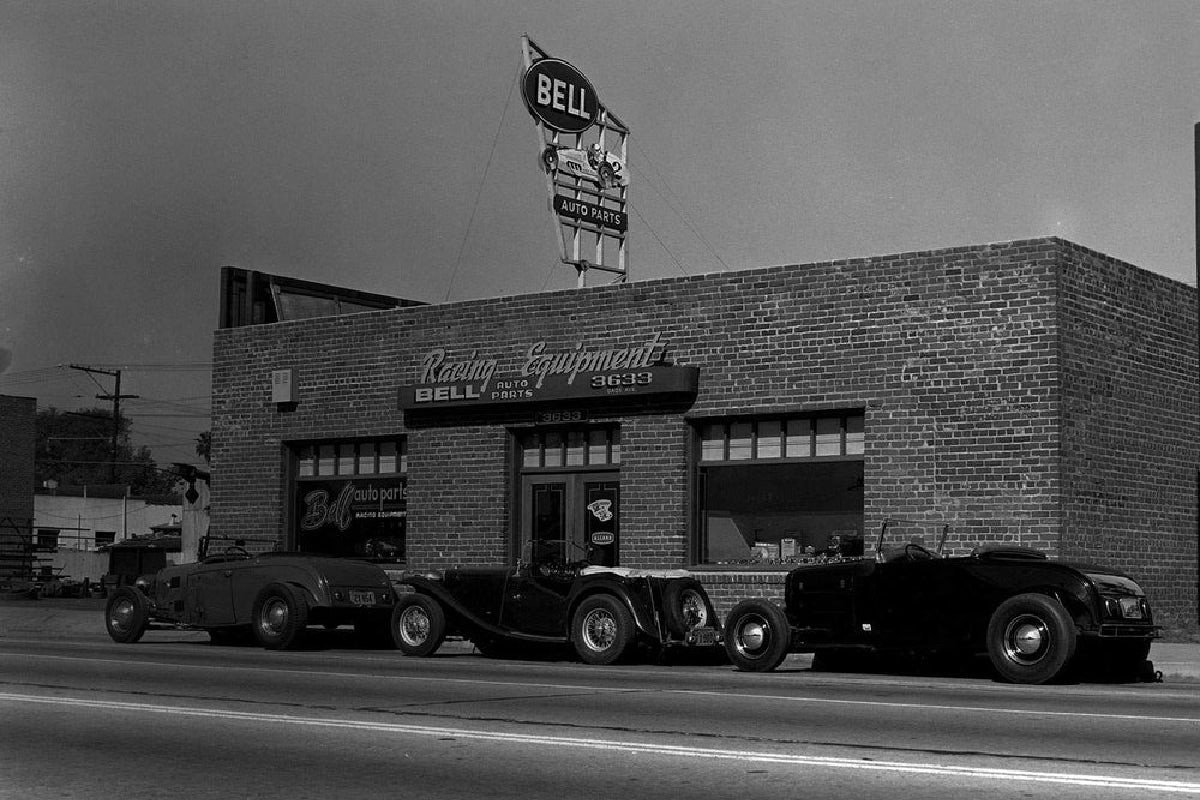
(418, 625)
(601, 629)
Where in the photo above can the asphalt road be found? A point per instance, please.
(176, 717)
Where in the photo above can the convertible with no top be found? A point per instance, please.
(1036, 618)
(601, 611)
(270, 597)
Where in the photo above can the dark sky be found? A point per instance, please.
(379, 146)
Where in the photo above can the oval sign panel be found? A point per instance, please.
(558, 95)
(603, 538)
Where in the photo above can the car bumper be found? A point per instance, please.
(1123, 631)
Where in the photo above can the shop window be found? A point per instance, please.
(555, 449)
(351, 498)
(780, 491)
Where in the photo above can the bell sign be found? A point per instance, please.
(560, 96)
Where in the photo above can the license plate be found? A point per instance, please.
(704, 636)
(362, 598)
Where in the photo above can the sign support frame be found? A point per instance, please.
(613, 199)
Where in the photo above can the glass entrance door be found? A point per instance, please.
(570, 517)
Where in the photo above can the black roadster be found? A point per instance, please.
(1036, 618)
(601, 611)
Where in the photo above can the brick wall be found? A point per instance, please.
(956, 356)
(18, 421)
(18, 417)
(1131, 426)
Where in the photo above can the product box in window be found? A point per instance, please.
(766, 552)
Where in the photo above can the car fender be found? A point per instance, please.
(1072, 598)
(641, 607)
(247, 583)
(459, 617)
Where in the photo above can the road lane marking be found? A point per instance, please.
(636, 748)
(570, 687)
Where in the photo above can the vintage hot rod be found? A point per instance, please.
(273, 596)
(601, 611)
(1033, 616)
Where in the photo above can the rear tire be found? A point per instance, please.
(757, 636)
(126, 615)
(1031, 639)
(601, 629)
(279, 616)
(418, 625)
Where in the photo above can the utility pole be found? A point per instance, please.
(116, 398)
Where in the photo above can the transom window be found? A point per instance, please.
(791, 438)
(576, 447)
(380, 457)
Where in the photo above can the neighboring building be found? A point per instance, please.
(18, 438)
(734, 423)
(70, 521)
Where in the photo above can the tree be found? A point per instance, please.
(204, 446)
(74, 448)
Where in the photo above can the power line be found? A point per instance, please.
(483, 180)
(116, 397)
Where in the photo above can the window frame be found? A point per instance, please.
(354, 449)
(562, 462)
(309, 452)
(783, 420)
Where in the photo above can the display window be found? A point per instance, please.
(780, 490)
(351, 499)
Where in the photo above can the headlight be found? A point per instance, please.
(1126, 608)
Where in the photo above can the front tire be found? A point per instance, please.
(126, 615)
(418, 625)
(757, 636)
(601, 629)
(1031, 639)
(280, 615)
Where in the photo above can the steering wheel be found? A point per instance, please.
(237, 550)
(915, 552)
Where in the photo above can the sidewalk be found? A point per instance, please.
(1179, 662)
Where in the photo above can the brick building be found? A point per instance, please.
(17, 437)
(734, 423)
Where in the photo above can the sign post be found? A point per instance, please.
(583, 150)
